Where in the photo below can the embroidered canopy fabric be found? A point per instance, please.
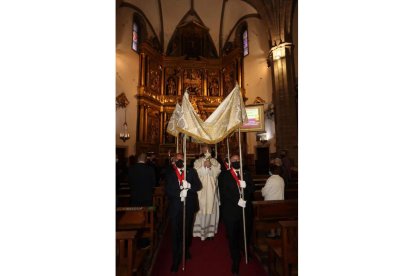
(228, 116)
(172, 124)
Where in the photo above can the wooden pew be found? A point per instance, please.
(137, 218)
(158, 200)
(284, 252)
(267, 213)
(257, 196)
(123, 200)
(129, 259)
(289, 194)
(259, 181)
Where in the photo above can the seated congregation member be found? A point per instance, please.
(274, 188)
(179, 188)
(231, 186)
(207, 218)
(152, 162)
(141, 179)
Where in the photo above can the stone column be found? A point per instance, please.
(284, 99)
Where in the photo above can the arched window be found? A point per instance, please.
(245, 40)
(135, 32)
(242, 38)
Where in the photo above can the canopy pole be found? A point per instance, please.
(228, 154)
(178, 142)
(185, 177)
(244, 215)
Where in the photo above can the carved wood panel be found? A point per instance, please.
(171, 81)
(154, 78)
(193, 81)
(229, 79)
(213, 83)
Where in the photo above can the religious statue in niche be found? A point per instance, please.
(155, 80)
(213, 83)
(192, 81)
(171, 86)
(153, 129)
(214, 88)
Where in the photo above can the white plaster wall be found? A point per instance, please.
(233, 11)
(257, 77)
(126, 76)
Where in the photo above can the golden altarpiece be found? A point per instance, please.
(191, 62)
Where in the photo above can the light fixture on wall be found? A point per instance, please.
(124, 134)
(278, 50)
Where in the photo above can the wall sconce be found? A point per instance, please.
(278, 51)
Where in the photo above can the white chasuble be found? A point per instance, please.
(206, 222)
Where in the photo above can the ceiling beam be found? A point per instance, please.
(223, 5)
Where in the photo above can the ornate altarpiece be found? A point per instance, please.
(189, 64)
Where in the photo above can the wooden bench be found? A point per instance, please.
(260, 181)
(257, 196)
(266, 214)
(284, 252)
(123, 200)
(289, 194)
(140, 219)
(129, 259)
(159, 201)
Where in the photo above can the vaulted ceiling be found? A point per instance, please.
(220, 16)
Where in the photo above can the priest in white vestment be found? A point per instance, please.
(207, 218)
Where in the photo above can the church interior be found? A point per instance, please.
(167, 47)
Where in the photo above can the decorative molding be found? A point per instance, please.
(162, 26)
(221, 28)
(122, 101)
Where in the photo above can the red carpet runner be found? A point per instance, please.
(209, 258)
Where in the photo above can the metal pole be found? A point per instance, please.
(244, 215)
(178, 141)
(228, 153)
(185, 177)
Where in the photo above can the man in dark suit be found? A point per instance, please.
(141, 179)
(179, 187)
(231, 186)
(152, 162)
